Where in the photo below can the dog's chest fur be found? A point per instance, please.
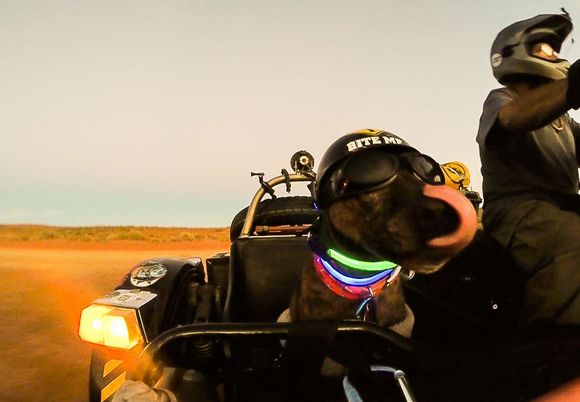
(313, 300)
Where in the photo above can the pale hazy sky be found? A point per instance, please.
(155, 112)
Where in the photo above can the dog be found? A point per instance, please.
(384, 210)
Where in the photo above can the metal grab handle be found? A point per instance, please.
(249, 222)
(352, 394)
(401, 380)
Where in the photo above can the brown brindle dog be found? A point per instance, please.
(379, 199)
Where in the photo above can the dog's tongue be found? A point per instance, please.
(465, 231)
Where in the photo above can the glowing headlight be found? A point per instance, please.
(110, 326)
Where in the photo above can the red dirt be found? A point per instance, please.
(44, 286)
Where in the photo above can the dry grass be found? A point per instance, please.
(43, 290)
(36, 233)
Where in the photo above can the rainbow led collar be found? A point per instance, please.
(351, 287)
(363, 282)
(368, 266)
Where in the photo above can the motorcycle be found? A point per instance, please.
(210, 333)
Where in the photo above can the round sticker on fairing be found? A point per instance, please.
(496, 59)
(147, 274)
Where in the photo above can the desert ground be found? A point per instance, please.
(48, 276)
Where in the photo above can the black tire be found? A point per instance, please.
(295, 210)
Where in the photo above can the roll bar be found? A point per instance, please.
(302, 172)
(269, 330)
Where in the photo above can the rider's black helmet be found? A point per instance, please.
(345, 146)
(511, 54)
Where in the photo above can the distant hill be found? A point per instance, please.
(36, 233)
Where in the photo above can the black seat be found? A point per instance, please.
(264, 271)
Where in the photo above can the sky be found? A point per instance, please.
(143, 112)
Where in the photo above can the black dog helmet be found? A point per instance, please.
(363, 161)
(511, 50)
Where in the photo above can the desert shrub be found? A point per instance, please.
(132, 236)
(48, 235)
(111, 233)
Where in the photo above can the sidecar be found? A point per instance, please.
(209, 332)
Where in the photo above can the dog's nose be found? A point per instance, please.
(466, 215)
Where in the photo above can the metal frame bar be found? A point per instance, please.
(249, 222)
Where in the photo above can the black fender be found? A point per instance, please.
(163, 285)
(169, 279)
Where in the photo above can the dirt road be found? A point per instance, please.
(43, 290)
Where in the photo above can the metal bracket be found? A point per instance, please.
(267, 187)
(287, 180)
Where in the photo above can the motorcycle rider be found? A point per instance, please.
(529, 162)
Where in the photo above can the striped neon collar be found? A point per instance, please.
(352, 287)
(359, 265)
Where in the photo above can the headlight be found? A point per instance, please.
(111, 326)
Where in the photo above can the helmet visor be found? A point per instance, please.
(544, 51)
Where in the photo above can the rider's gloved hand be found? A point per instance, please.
(573, 92)
(137, 391)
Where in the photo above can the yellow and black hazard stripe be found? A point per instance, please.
(116, 380)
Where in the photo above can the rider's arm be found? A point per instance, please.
(535, 108)
(539, 106)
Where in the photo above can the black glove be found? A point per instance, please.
(573, 92)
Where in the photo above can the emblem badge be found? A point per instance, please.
(147, 274)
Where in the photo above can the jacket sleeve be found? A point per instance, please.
(576, 132)
(495, 101)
